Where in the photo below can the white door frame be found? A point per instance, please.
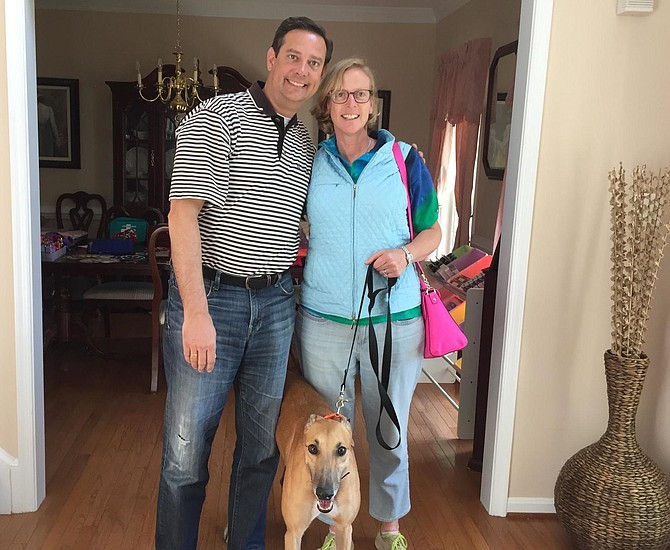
(529, 85)
(28, 472)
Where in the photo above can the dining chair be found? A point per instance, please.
(159, 243)
(120, 294)
(81, 214)
(134, 295)
(109, 296)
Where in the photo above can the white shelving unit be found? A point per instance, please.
(444, 370)
(472, 327)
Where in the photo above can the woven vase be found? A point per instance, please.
(610, 495)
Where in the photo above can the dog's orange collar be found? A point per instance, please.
(333, 416)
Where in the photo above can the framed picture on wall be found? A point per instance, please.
(384, 109)
(58, 122)
(384, 99)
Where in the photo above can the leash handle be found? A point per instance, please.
(385, 403)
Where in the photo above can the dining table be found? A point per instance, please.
(78, 262)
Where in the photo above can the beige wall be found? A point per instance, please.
(8, 425)
(94, 47)
(606, 101)
(499, 20)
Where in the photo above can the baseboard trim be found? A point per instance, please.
(7, 462)
(517, 505)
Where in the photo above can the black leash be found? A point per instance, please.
(383, 381)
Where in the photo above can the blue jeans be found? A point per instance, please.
(253, 337)
(324, 348)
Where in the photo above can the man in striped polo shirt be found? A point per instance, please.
(241, 170)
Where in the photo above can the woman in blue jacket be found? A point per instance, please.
(357, 213)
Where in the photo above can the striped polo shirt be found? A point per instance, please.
(252, 169)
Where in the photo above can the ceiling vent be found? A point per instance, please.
(634, 7)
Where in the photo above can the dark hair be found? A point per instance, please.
(301, 24)
(333, 81)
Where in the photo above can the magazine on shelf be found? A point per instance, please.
(463, 280)
(446, 272)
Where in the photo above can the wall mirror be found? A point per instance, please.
(498, 116)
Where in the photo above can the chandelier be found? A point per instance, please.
(179, 91)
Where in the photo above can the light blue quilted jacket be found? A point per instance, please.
(348, 223)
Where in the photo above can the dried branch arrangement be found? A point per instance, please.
(638, 238)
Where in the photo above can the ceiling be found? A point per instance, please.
(380, 11)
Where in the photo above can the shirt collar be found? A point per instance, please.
(331, 145)
(263, 103)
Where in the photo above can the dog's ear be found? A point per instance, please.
(312, 418)
(344, 420)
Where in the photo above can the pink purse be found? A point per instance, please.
(443, 335)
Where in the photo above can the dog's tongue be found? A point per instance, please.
(325, 505)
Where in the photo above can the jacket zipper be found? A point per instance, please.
(355, 300)
(354, 269)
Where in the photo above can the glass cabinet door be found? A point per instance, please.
(144, 141)
(138, 156)
(169, 144)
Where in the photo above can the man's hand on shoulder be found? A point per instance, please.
(420, 152)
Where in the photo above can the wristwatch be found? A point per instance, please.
(408, 255)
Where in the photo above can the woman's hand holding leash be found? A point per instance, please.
(389, 262)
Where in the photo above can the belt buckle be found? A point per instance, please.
(257, 283)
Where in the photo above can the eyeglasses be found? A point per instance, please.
(342, 96)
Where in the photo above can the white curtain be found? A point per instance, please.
(446, 180)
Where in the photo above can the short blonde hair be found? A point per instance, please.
(333, 81)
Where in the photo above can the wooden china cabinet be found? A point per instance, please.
(144, 139)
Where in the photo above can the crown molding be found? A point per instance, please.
(445, 9)
(259, 9)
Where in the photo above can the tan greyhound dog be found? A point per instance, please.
(321, 473)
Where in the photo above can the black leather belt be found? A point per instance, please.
(252, 283)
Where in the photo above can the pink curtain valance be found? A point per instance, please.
(462, 82)
(459, 93)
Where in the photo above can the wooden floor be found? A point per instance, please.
(103, 441)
